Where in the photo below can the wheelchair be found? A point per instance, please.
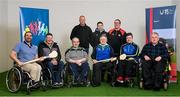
(70, 79)
(16, 78)
(47, 76)
(132, 80)
(165, 75)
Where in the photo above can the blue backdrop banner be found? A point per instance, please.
(36, 21)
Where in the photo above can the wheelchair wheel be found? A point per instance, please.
(69, 84)
(63, 78)
(141, 84)
(13, 80)
(87, 84)
(43, 82)
(131, 83)
(113, 84)
(165, 86)
(46, 78)
(28, 87)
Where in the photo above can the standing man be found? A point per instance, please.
(26, 51)
(117, 37)
(99, 31)
(83, 32)
(44, 49)
(154, 57)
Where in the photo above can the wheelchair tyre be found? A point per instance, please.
(131, 84)
(88, 84)
(29, 84)
(43, 83)
(141, 84)
(69, 84)
(113, 84)
(165, 86)
(13, 80)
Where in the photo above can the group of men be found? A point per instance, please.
(114, 45)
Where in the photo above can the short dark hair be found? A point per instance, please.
(118, 20)
(99, 22)
(129, 34)
(27, 32)
(49, 34)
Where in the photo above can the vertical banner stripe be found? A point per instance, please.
(150, 23)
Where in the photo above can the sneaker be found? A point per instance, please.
(156, 89)
(60, 84)
(120, 79)
(55, 83)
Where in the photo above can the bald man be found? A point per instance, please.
(83, 32)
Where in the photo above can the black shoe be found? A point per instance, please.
(55, 84)
(60, 84)
(156, 89)
(94, 85)
(148, 87)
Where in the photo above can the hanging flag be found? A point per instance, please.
(36, 21)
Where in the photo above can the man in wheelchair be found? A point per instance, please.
(77, 58)
(101, 52)
(23, 52)
(55, 65)
(154, 57)
(128, 59)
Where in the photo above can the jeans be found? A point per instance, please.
(79, 72)
(56, 71)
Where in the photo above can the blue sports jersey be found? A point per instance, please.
(130, 49)
(103, 52)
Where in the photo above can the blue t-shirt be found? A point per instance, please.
(25, 52)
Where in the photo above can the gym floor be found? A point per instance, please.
(104, 90)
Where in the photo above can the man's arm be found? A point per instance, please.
(13, 56)
(85, 57)
(143, 52)
(59, 53)
(111, 52)
(68, 59)
(91, 38)
(73, 33)
(124, 38)
(93, 55)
